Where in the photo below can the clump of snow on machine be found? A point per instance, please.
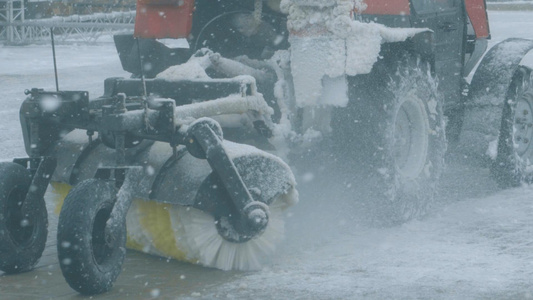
(335, 45)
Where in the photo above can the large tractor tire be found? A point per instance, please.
(398, 138)
(514, 160)
(496, 79)
(90, 260)
(22, 239)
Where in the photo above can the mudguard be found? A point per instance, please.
(488, 89)
(494, 74)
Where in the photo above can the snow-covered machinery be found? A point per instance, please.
(358, 88)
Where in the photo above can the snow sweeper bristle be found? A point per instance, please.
(214, 251)
(189, 234)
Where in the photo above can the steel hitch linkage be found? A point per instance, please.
(239, 216)
(204, 140)
(124, 122)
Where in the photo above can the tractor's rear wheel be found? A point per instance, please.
(90, 259)
(514, 160)
(22, 239)
(399, 139)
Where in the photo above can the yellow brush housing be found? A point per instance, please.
(148, 222)
(188, 234)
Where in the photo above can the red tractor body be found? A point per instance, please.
(387, 7)
(173, 18)
(164, 18)
(477, 11)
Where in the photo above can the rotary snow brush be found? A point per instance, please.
(189, 233)
(158, 175)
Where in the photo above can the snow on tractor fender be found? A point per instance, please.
(492, 125)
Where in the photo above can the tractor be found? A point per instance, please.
(189, 157)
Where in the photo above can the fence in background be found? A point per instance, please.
(15, 29)
(10, 11)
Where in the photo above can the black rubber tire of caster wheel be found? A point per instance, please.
(90, 260)
(22, 239)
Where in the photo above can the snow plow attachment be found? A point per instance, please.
(157, 177)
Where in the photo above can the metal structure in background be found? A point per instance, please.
(14, 29)
(11, 11)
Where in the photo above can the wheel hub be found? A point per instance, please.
(411, 137)
(523, 124)
(239, 229)
(102, 243)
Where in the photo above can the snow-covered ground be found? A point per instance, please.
(477, 242)
(80, 68)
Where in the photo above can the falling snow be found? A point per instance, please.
(475, 243)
